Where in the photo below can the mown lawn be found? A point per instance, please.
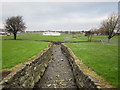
(17, 51)
(102, 58)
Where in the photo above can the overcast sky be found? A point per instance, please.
(59, 15)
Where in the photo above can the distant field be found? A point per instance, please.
(62, 37)
(102, 58)
(37, 36)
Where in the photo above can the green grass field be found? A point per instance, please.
(101, 57)
(17, 51)
(37, 36)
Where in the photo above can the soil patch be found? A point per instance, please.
(4, 74)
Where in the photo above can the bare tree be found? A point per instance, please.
(89, 34)
(110, 25)
(15, 24)
(96, 31)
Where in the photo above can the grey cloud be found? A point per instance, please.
(39, 15)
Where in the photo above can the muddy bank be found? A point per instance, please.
(3, 74)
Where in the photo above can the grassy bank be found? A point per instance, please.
(17, 51)
(102, 58)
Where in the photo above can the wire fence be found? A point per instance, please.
(111, 42)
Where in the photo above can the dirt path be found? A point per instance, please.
(58, 73)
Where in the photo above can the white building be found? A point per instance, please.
(3, 33)
(52, 33)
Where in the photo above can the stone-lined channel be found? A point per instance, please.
(56, 67)
(58, 73)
